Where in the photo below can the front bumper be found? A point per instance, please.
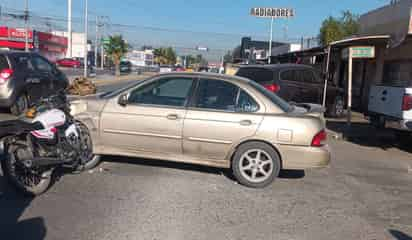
(304, 157)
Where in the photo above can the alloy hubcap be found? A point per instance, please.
(256, 165)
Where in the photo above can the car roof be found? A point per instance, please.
(15, 52)
(277, 66)
(206, 75)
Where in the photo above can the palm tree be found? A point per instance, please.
(165, 56)
(116, 48)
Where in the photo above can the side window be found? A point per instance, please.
(289, 75)
(41, 64)
(216, 94)
(259, 75)
(168, 92)
(24, 63)
(245, 103)
(309, 77)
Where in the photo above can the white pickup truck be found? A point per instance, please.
(391, 107)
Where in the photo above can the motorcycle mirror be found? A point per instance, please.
(122, 101)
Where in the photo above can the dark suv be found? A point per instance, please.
(26, 77)
(296, 83)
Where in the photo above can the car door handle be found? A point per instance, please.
(172, 116)
(245, 122)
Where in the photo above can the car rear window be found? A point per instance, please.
(282, 104)
(259, 75)
(4, 64)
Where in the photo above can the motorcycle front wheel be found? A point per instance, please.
(88, 158)
(29, 181)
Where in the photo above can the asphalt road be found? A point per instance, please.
(365, 194)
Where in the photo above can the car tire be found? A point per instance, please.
(255, 164)
(20, 105)
(337, 109)
(404, 137)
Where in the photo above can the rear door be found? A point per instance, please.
(26, 78)
(311, 88)
(221, 115)
(290, 85)
(386, 100)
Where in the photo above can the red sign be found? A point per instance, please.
(15, 34)
(52, 39)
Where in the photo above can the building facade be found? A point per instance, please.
(49, 45)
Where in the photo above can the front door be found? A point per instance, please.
(43, 73)
(221, 115)
(152, 119)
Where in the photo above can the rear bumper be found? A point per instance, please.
(404, 125)
(304, 157)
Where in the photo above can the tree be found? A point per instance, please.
(116, 48)
(334, 29)
(165, 56)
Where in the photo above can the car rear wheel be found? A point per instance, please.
(20, 105)
(256, 164)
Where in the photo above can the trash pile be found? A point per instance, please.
(82, 86)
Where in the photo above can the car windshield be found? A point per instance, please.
(285, 106)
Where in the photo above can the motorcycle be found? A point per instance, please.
(47, 139)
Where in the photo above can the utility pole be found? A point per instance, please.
(102, 48)
(96, 41)
(270, 40)
(69, 28)
(85, 39)
(26, 18)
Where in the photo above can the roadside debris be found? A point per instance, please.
(82, 86)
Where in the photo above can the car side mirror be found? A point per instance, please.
(122, 101)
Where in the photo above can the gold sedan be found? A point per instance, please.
(210, 119)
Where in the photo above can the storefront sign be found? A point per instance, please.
(273, 12)
(359, 52)
(15, 34)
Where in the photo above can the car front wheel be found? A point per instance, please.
(256, 164)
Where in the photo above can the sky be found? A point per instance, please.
(216, 24)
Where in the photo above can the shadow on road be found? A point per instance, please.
(398, 235)
(288, 174)
(365, 134)
(12, 207)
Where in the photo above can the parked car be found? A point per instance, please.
(391, 106)
(125, 66)
(25, 78)
(68, 62)
(297, 83)
(210, 119)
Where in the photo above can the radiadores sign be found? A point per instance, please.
(273, 12)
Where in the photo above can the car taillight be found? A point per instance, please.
(272, 87)
(319, 139)
(407, 102)
(5, 75)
